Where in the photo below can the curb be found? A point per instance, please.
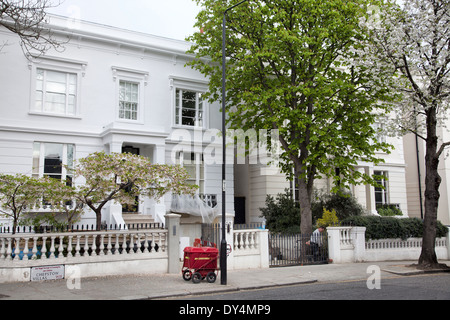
(403, 270)
(226, 290)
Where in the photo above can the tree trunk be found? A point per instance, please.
(428, 257)
(98, 215)
(305, 207)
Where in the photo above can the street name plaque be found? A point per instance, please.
(47, 273)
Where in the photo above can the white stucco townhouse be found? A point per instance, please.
(109, 90)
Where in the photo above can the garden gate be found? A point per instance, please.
(297, 249)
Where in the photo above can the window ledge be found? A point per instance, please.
(34, 113)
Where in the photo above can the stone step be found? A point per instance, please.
(138, 219)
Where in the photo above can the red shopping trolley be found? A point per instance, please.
(200, 263)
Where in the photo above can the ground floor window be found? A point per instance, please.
(50, 159)
(194, 164)
(381, 191)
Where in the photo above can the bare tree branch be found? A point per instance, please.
(27, 19)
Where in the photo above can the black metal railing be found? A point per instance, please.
(82, 227)
(245, 226)
(297, 249)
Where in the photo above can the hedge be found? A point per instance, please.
(389, 227)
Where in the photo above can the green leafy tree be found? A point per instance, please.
(298, 67)
(122, 177)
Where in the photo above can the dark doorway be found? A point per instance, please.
(239, 210)
(130, 149)
(133, 208)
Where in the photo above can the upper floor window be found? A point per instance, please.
(56, 92)
(189, 108)
(128, 100)
(129, 94)
(380, 130)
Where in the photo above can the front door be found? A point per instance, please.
(128, 208)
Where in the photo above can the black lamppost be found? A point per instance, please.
(223, 243)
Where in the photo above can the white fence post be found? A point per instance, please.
(264, 248)
(358, 235)
(173, 242)
(334, 244)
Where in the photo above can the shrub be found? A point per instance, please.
(344, 204)
(390, 227)
(328, 219)
(282, 214)
(387, 210)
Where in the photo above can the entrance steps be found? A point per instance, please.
(139, 221)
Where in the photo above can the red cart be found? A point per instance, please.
(200, 263)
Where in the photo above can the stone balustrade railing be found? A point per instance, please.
(40, 249)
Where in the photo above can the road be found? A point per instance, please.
(419, 287)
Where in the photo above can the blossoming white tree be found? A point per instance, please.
(19, 193)
(122, 177)
(414, 39)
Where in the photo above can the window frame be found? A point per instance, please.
(39, 153)
(133, 76)
(46, 92)
(193, 85)
(198, 165)
(380, 128)
(179, 106)
(131, 102)
(53, 64)
(384, 192)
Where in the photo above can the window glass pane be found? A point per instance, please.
(55, 92)
(39, 85)
(38, 102)
(189, 106)
(55, 76)
(53, 160)
(39, 74)
(56, 87)
(189, 95)
(73, 79)
(128, 100)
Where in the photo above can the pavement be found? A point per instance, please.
(171, 286)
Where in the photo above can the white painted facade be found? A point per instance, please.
(107, 90)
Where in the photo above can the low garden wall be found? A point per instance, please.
(349, 244)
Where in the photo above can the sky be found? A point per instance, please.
(166, 18)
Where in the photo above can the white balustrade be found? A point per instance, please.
(78, 245)
(346, 239)
(245, 240)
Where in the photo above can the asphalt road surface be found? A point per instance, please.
(420, 287)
